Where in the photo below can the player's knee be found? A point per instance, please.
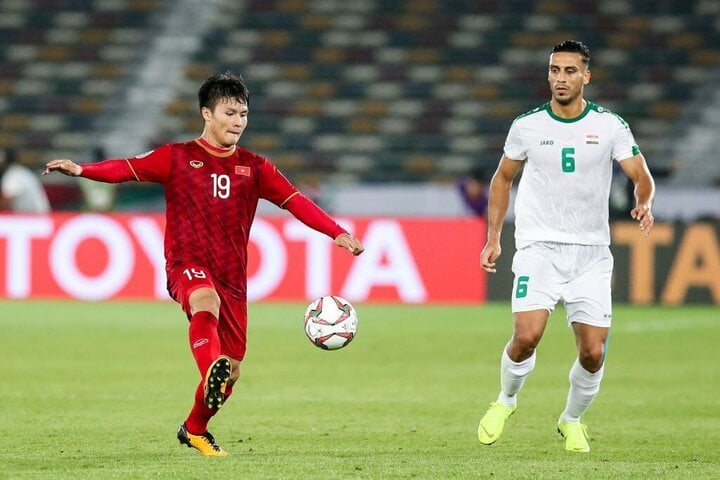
(591, 358)
(527, 341)
(205, 299)
(522, 346)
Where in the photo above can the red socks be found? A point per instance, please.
(205, 347)
(204, 340)
(200, 414)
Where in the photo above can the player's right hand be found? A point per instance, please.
(490, 253)
(64, 166)
(352, 244)
(643, 214)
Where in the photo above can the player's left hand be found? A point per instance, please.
(644, 216)
(349, 242)
(64, 166)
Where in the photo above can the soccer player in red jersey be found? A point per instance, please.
(212, 188)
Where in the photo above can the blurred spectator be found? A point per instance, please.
(20, 188)
(473, 190)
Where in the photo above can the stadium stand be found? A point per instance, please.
(422, 90)
(61, 62)
(360, 91)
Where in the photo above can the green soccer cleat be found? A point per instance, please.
(204, 443)
(492, 424)
(216, 380)
(575, 435)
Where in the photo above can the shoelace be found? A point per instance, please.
(211, 440)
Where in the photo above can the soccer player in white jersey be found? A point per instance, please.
(566, 149)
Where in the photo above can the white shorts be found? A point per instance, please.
(579, 275)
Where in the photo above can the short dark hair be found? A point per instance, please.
(224, 86)
(575, 47)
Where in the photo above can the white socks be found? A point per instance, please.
(512, 377)
(584, 386)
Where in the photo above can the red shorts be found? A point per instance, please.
(232, 324)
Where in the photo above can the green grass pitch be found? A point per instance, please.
(97, 390)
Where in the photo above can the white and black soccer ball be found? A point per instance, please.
(330, 322)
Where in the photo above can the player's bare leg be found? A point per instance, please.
(585, 376)
(517, 361)
(528, 330)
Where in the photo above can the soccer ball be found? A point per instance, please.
(330, 322)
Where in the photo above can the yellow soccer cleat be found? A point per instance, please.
(575, 435)
(204, 443)
(216, 380)
(492, 424)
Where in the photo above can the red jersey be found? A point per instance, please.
(211, 196)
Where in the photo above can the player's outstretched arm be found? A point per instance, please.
(108, 171)
(64, 166)
(314, 217)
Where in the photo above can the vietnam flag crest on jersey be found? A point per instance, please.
(242, 170)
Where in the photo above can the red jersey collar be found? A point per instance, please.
(217, 151)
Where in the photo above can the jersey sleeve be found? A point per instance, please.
(108, 171)
(274, 187)
(515, 148)
(313, 216)
(623, 141)
(152, 166)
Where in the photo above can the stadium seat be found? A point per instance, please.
(447, 56)
(367, 91)
(62, 63)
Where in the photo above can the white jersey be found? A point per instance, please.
(25, 191)
(564, 190)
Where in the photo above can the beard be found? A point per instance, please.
(566, 100)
